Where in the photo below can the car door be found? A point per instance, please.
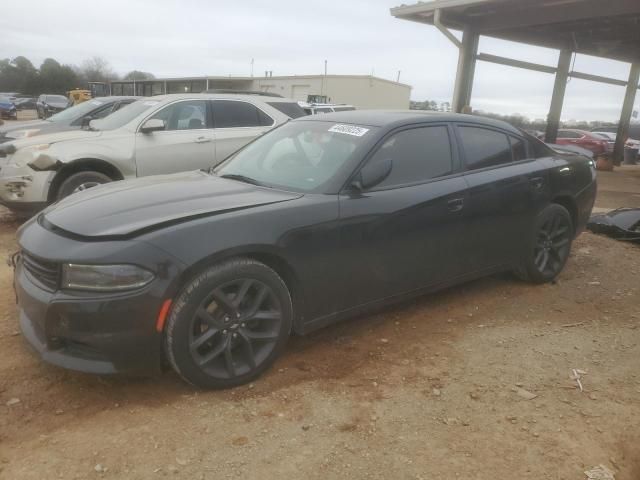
(404, 233)
(186, 143)
(236, 123)
(507, 186)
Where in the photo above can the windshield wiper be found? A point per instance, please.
(241, 178)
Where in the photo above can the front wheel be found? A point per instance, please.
(549, 245)
(228, 324)
(81, 181)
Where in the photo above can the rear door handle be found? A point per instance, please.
(537, 182)
(202, 140)
(456, 204)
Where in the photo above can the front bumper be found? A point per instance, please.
(94, 335)
(9, 114)
(23, 189)
(100, 333)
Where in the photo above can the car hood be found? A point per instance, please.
(131, 207)
(24, 126)
(55, 137)
(7, 106)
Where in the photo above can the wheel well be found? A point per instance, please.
(273, 261)
(83, 165)
(570, 204)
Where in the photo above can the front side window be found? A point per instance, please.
(189, 115)
(231, 113)
(484, 148)
(417, 155)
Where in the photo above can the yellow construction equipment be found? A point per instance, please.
(78, 95)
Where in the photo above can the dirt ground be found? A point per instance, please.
(424, 390)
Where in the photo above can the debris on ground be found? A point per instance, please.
(526, 394)
(13, 401)
(600, 472)
(576, 375)
(621, 224)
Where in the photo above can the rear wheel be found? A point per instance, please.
(80, 181)
(229, 324)
(549, 245)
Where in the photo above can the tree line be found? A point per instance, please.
(21, 76)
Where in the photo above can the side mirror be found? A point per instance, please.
(86, 121)
(373, 173)
(152, 125)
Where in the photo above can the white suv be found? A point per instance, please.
(155, 135)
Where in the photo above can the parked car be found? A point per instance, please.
(25, 103)
(47, 105)
(609, 137)
(584, 139)
(7, 108)
(316, 108)
(162, 134)
(73, 118)
(631, 141)
(322, 218)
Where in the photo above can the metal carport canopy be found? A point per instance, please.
(609, 29)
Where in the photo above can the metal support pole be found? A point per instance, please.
(627, 110)
(557, 99)
(466, 70)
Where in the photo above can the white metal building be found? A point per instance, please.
(361, 91)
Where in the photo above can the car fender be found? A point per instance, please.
(116, 150)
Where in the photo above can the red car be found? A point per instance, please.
(584, 139)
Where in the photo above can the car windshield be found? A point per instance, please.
(124, 115)
(299, 156)
(77, 111)
(5, 100)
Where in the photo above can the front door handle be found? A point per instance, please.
(203, 139)
(456, 204)
(537, 182)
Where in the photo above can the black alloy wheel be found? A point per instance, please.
(229, 324)
(553, 234)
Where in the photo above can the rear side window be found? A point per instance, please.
(230, 113)
(484, 148)
(418, 155)
(290, 109)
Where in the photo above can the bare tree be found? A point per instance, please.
(97, 69)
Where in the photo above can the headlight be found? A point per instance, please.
(23, 156)
(104, 278)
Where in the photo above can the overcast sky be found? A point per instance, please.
(220, 37)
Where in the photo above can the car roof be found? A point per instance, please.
(397, 118)
(115, 98)
(221, 96)
(576, 130)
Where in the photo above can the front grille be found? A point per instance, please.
(44, 271)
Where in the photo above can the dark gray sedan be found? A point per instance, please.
(72, 118)
(322, 218)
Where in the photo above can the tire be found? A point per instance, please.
(228, 324)
(548, 247)
(81, 181)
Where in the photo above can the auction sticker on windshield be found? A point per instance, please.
(349, 130)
